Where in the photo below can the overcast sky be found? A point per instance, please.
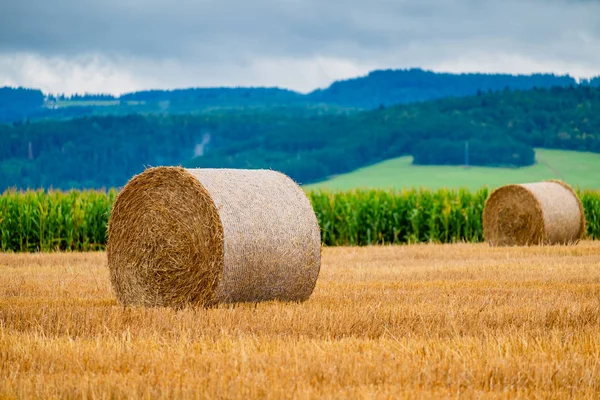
(116, 46)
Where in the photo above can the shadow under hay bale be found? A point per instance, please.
(205, 236)
(533, 214)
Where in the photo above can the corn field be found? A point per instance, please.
(49, 221)
(77, 220)
(365, 217)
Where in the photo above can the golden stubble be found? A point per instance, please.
(420, 321)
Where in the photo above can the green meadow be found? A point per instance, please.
(579, 169)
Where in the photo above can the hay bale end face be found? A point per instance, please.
(538, 213)
(204, 236)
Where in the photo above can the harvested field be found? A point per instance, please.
(404, 321)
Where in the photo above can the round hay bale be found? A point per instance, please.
(547, 212)
(204, 236)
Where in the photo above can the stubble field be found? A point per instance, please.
(419, 321)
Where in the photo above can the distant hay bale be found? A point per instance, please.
(532, 214)
(204, 236)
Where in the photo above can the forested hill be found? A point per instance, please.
(19, 103)
(388, 87)
(381, 87)
(502, 129)
(384, 87)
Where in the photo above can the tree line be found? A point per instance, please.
(381, 88)
(105, 151)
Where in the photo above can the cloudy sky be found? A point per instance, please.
(116, 46)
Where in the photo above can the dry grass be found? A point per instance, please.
(414, 321)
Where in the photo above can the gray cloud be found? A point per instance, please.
(236, 42)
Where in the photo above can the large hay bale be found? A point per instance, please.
(204, 236)
(532, 214)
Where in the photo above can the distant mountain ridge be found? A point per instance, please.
(388, 87)
(376, 89)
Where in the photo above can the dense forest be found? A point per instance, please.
(388, 87)
(19, 103)
(105, 151)
(379, 88)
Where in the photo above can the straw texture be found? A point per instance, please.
(532, 214)
(206, 236)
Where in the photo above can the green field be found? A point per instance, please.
(94, 103)
(579, 169)
(87, 103)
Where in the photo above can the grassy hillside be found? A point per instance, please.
(577, 168)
